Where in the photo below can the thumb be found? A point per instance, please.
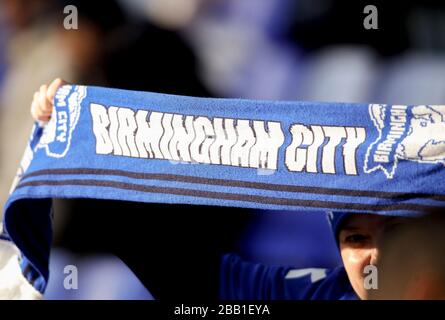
(52, 89)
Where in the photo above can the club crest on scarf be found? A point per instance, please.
(56, 137)
(406, 133)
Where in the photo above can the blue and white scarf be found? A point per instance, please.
(139, 146)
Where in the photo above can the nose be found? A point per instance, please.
(374, 256)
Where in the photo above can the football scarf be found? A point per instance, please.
(147, 147)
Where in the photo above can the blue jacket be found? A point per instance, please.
(241, 280)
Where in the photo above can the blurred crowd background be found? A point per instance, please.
(258, 49)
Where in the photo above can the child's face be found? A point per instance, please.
(360, 239)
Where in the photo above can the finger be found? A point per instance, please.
(44, 103)
(52, 89)
(44, 118)
(35, 105)
(45, 109)
(45, 113)
(39, 116)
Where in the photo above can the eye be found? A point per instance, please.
(423, 124)
(356, 239)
